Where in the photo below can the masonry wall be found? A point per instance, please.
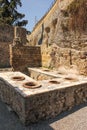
(6, 38)
(4, 55)
(55, 56)
(61, 26)
(7, 34)
(22, 57)
(64, 27)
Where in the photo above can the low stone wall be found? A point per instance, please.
(22, 57)
(41, 103)
(7, 34)
(54, 57)
(41, 74)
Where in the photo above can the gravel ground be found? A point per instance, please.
(76, 119)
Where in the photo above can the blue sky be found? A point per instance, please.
(34, 10)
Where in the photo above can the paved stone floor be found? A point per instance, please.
(75, 119)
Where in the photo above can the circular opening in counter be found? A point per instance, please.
(54, 82)
(31, 85)
(18, 78)
(46, 70)
(71, 79)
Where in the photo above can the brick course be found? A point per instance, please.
(22, 57)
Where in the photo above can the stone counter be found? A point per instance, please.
(45, 102)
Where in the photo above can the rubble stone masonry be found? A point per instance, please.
(41, 103)
(7, 35)
(62, 34)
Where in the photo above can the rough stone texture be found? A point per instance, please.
(22, 57)
(48, 74)
(20, 33)
(4, 55)
(6, 38)
(62, 34)
(75, 119)
(7, 34)
(54, 57)
(55, 27)
(42, 73)
(42, 103)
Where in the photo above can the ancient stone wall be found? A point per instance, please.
(22, 57)
(6, 38)
(7, 34)
(61, 26)
(64, 25)
(42, 103)
(55, 56)
(4, 55)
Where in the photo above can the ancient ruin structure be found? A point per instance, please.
(34, 101)
(62, 35)
(7, 35)
(55, 59)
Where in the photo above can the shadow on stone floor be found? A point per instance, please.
(10, 121)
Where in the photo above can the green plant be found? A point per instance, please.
(9, 14)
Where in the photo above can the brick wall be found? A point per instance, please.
(22, 57)
(7, 34)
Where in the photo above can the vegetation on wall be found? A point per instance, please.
(78, 13)
(9, 14)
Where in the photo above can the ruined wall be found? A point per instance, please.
(55, 56)
(6, 38)
(64, 25)
(7, 35)
(4, 55)
(22, 57)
